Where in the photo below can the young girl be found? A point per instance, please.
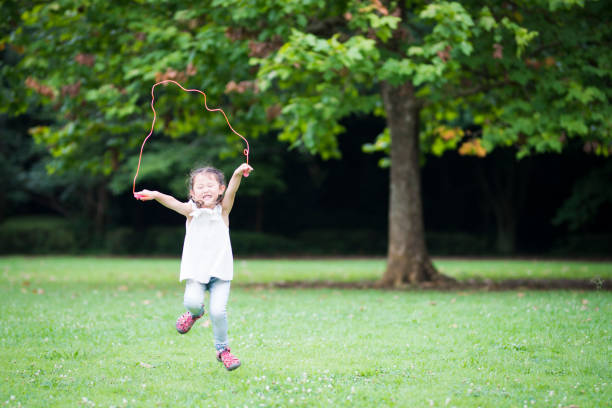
(207, 261)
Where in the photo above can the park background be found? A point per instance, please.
(497, 178)
(503, 108)
(333, 207)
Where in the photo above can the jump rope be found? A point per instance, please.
(245, 151)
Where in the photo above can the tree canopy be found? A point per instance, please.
(534, 74)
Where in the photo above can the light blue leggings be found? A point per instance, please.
(219, 294)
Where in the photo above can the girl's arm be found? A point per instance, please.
(232, 188)
(166, 200)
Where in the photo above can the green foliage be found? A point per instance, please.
(16, 152)
(96, 84)
(452, 29)
(247, 243)
(557, 87)
(37, 235)
(522, 36)
(343, 242)
(449, 244)
(381, 144)
(314, 63)
(55, 235)
(328, 73)
(590, 197)
(167, 241)
(585, 244)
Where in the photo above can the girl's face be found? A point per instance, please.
(206, 190)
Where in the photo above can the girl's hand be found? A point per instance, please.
(245, 169)
(145, 195)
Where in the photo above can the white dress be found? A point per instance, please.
(207, 251)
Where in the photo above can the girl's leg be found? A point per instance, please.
(219, 294)
(194, 298)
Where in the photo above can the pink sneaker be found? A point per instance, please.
(229, 360)
(185, 321)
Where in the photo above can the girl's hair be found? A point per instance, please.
(211, 170)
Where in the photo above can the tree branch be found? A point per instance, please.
(50, 202)
(326, 27)
(542, 47)
(464, 92)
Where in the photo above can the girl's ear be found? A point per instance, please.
(221, 191)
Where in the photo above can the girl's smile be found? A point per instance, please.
(206, 190)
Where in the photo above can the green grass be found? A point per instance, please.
(110, 271)
(100, 332)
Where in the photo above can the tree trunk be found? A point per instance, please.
(505, 243)
(505, 191)
(259, 214)
(408, 261)
(2, 206)
(96, 205)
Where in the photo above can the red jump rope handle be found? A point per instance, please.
(246, 172)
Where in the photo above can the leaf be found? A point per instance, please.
(466, 48)
(486, 19)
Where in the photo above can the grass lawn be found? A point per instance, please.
(100, 332)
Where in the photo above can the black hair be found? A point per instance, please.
(211, 170)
